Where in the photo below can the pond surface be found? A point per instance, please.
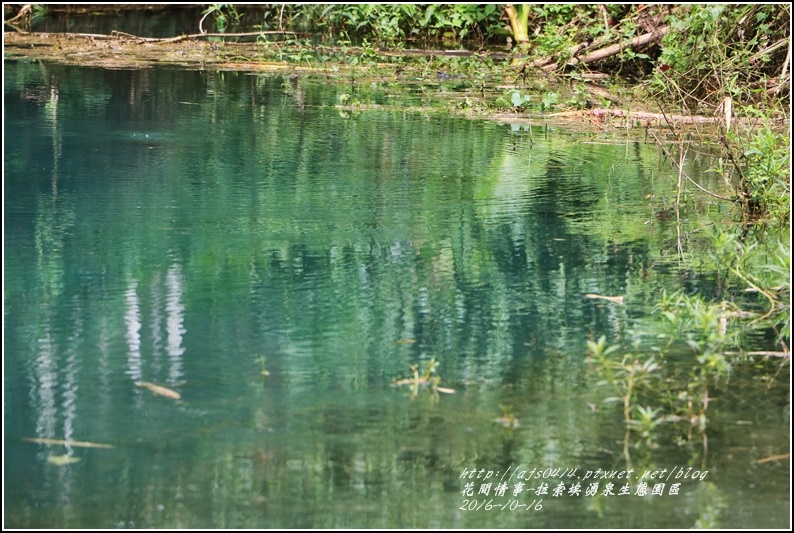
(199, 230)
(159, 21)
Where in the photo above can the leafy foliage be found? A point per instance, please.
(714, 50)
(224, 14)
(391, 24)
(767, 175)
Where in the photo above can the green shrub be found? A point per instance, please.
(718, 50)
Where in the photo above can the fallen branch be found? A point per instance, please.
(159, 389)
(619, 47)
(783, 73)
(200, 35)
(771, 458)
(769, 49)
(642, 115)
(115, 34)
(23, 17)
(59, 442)
(549, 63)
(613, 299)
(762, 353)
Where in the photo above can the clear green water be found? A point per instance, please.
(176, 227)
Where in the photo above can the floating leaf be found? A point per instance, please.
(62, 460)
(158, 389)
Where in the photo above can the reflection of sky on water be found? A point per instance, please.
(132, 317)
(169, 317)
(175, 323)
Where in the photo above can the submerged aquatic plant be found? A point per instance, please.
(427, 378)
(629, 376)
(507, 419)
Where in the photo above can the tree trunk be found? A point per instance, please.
(519, 23)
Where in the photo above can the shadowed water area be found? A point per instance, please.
(279, 263)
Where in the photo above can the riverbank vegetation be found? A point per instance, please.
(692, 54)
